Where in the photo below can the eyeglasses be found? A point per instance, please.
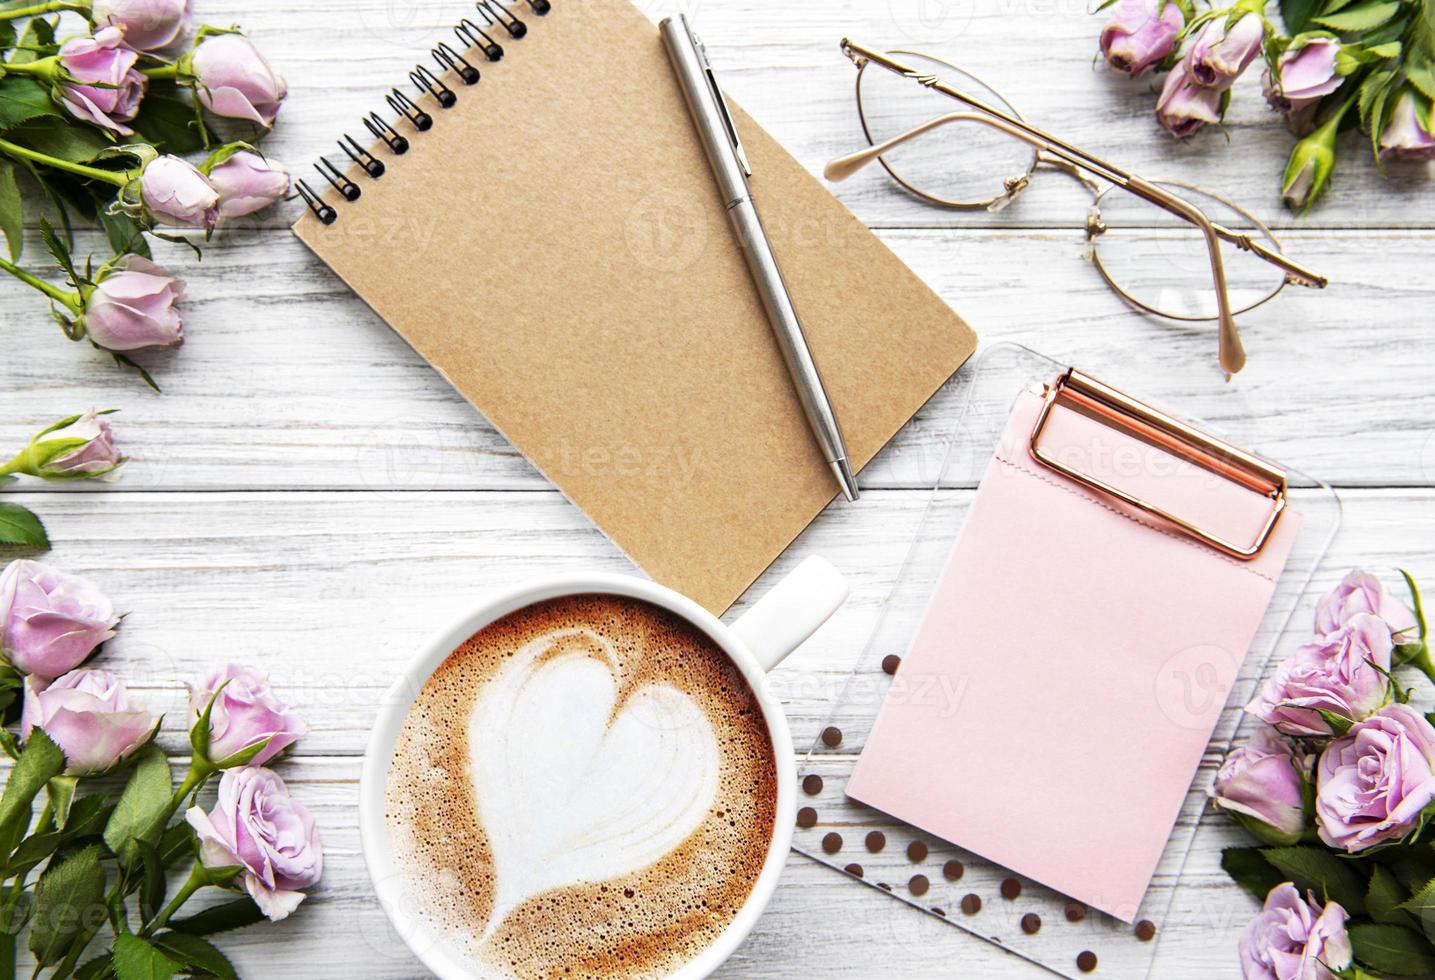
(1175, 270)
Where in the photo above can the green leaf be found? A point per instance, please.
(61, 139)
(243, 757)
(1297, 14)
(152, 884)
(19, 526)
(69, 900)
(96, 969)
(12, 210)
(22, 99)
(1363, 17)
(39, 33)
(144, 806)
(1320, 871)
(61, 791)
(1339, 724)
(1250, 870)
(1384, 897)
(59, 250)
(220, 918)
(197, 954)
(40, 761)
(1392, 949)
(135, 959)
(1421, 906)
(168, 122)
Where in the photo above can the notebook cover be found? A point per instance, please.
(1091, 652)
(556, 247)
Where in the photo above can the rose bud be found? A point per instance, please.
(247, 183)
(246, 712)
(1407, 136)
(258, 827)
(1361, 592)
(50, 621)
(88, 714)
(1292, 938)
(1310, 166)
(81, 447)
(1221, 53)
(1185, 107)
(235, 81)
(99, 83)
(1342, 675)
(1305, 75)
(132, 307)
(1372, 784)
(147, 25)
(1139, 34)
(176, 193)
(1262, 786)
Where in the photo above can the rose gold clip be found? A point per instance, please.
(1083, 393)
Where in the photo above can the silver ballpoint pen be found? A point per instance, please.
(731, 168)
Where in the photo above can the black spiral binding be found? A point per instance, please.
(495, 17)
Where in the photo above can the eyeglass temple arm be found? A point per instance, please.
(1232, 352)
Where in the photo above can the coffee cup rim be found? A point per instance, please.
(422, 940)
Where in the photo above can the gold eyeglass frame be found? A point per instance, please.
(1078, 163)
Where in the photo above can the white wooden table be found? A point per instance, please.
(308, 496)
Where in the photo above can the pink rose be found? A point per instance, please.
(246, 713)
(1184, 106)
(1262, 786)
(50, 621)
(176, 193)
(1372, 784)
(1361, 592)
(114, 98)
(1306, 74)
(257, 826)
(88, 714)
(1292, 939)
(133, 306)
(81, 447)
(147, 25)
(247, 183)
(1221, 53)
(235, 81)
(1340, 673)
(1406, 136)
(1139, 34)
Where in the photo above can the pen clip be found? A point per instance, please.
(727, 119)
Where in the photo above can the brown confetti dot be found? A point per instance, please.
(953, 870)
(890, 663)
(812, 785)
(937, 911)
(884, 886)
(1011, 888)
(1086, 961)
(1031, 923)
(832, 843)
(806, 817)
(854, 869)
(831, 737)
(918, 885)
(1145, 930)
(876, 841)
(916, 852)
(971, 904)
(1075, 911)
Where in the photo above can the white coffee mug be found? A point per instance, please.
(788, 614)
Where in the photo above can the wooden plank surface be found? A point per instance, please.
(306, 495)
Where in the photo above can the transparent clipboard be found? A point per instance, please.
(922, 874)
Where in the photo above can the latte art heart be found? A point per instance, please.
(574, 787)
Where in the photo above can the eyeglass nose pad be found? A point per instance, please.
(1095, 227)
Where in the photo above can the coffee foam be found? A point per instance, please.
(585, 788)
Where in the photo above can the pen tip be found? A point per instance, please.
(843, 471)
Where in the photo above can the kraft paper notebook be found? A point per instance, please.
(1087, 643)
(553, 243)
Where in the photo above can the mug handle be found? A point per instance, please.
(791, 611)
